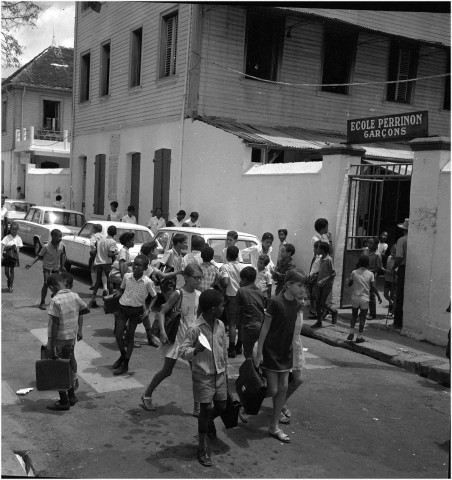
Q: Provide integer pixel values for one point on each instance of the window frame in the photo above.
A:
(277, 47)
(446, 94)
(4, 114)
(99, 184)
(393, 73)
(85, 77)
(136, 68)
(329, 32)
(164, 20)
(105, 73)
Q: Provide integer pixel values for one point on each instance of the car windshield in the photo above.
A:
(162, 239)
(63, 218)
(17, 206)
(141, 236)
(219, 244)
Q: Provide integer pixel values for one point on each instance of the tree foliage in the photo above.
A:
(16, 15)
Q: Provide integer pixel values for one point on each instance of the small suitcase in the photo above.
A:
(54, 375)
(111, 303)
(231, 414)
(251, 387)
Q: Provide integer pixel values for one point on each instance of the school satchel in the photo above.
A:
(10, 256)
(54, 374)
(231, 412)
(111, 302)
(251, 387)
(172, 321)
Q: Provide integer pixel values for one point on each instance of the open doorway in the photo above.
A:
(378, 199)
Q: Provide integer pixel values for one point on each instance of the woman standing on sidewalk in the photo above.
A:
(188, 308)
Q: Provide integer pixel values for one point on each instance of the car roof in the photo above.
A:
(203, 231)
(130, 226)
(55, 209)
(11, 200)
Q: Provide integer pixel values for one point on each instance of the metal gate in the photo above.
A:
(378, 198)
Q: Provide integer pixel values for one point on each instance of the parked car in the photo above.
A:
(35, 228)
(17, 209)
(214, 237)
(78, 244)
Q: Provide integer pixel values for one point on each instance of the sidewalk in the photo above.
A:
(385, 344)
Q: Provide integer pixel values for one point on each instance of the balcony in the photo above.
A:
(42, 141)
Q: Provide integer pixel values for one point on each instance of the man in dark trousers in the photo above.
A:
(400, 264)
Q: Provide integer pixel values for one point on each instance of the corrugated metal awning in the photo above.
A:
(294, 138)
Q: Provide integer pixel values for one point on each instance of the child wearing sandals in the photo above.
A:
(170, 351)
(275, 346)
(209, 367)
(362, 280)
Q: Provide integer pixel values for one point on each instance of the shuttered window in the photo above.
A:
(99, 184)
(112, 177)
(83, 164)
(105, 69)
(85, 72)
(402, 66)
(4, 110)
(135, 57)
(446, 102)
(168, 55)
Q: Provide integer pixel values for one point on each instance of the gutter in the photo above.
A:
(71, 157)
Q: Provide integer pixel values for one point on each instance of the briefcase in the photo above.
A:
(251, 387)
(111, 302)
(231, 413)
(54, 374)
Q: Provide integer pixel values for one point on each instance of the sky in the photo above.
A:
(56, 18)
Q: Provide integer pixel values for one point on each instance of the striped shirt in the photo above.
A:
(232, 270)
(263, 279)
(51, 255)
(106, 246)
(66, 305)
(206, 362)
(209, 271)
(136, 291)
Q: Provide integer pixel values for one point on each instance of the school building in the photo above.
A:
(260, 117)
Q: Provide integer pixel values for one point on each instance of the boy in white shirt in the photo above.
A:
(130, 217)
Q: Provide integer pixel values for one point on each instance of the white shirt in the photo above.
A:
(155, 224)
(9, 240)
(254, 253)
(59, 204)
(177, 223)
(127, 219)
(115, 216)
(323, 238)
(194, 224)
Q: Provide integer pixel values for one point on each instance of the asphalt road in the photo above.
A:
(354, 417)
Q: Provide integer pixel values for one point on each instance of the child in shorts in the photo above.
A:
(362, 280)
(264, 280)
(11, 243)
(209, 367)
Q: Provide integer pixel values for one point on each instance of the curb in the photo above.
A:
(428, 366)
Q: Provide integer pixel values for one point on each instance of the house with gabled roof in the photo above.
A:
(36, 125)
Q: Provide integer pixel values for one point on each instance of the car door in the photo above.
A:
(78, 246)
(25, 226)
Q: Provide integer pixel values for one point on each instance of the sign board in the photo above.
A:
(402, 126)
(24, 158)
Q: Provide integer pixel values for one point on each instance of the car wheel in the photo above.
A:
(67, 266)
(37, 245)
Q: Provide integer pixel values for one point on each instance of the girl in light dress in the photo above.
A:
(12, 241)
(170, 351)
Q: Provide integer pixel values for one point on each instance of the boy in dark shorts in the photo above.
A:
(209, 367)
(53, 256)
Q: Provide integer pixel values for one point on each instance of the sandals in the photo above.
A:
(147, 403)
(286, 412)
(279, 435)
(284, 419)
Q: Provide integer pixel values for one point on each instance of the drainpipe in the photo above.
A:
(187, 65)
(71, 157)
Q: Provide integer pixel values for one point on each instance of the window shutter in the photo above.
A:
(84, 162)
(112, 177)
(403, 74)
(171, 46)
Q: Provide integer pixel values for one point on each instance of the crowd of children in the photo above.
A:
(260, 325)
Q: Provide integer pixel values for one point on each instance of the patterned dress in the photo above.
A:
(299, 360)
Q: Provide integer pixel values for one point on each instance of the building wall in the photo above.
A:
(427, 281)
(157, 98)
(42, 185)
(226, 93)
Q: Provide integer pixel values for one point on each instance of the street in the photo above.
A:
(354, 417)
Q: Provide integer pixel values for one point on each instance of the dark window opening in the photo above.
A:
(446, 102)
(256, 155)
(4, 110)
(99, 184)
(105, 70)
(51, 115)
(85, 71)
(264, 44)
(169, 45)
(135, 58)
(338, 54)
(402, 66)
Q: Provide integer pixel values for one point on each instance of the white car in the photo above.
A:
(214, 237)
(39, 221)
(78, 245)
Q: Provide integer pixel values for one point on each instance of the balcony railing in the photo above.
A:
(29, 138)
